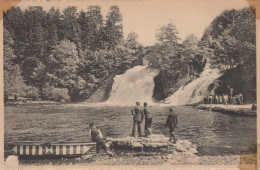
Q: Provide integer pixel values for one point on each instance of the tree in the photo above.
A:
(37, 45)
(131, 41)
(244, 28)
(114, 27)
(54, 25)
(189, 46)
(64, 74)
(226, 51)
(168, 34)
(69, 19)
(91, 25)
(13, 81)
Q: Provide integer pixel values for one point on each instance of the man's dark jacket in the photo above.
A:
(172, 120)
(138, 113)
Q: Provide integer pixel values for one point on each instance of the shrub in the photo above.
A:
(55, 94)
(30, 92)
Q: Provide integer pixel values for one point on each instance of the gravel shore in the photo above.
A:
(132, 159)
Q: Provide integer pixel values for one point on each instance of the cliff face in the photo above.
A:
(164, 88)
(102, 93)
(242, 80)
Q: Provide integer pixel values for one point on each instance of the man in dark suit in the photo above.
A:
(138, 119)
(171, 123)
(148, 121)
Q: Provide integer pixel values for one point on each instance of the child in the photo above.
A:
(96, 136)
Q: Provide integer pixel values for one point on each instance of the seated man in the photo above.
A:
(96, 136)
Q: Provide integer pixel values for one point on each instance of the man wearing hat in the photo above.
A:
(171, 123)
(138, 119)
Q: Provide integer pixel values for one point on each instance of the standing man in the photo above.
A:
(241, 100)
(171, 123)
(148, 121)
(231, 90)
(138, 119)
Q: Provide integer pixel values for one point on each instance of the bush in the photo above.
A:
(55, 94)
(30, 92)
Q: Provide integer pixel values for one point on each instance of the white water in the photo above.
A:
(136, 84)
(194, 91)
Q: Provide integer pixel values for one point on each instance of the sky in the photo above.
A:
(145, 17)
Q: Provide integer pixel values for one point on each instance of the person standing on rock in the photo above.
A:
(138, 119)
(171, 123)
(148, 121)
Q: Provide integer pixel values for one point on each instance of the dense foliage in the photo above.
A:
(66, 55)
(175, 60)
(234, 46)
(228, 43)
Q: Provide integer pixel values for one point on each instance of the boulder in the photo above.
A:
(153, 142)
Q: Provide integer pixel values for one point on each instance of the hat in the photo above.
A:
(91, 124)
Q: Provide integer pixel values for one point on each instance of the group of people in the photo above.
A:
(225, 98)
(139, 114)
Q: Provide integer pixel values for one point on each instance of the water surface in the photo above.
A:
(214, 133)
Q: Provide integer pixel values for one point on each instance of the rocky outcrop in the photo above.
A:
(102, 93)
(164, 88)
(155, 142)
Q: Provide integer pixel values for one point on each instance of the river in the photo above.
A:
(213, 133)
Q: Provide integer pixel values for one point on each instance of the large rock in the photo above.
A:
(153, 142)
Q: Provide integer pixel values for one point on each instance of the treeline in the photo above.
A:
(64, 56)
(229, 44)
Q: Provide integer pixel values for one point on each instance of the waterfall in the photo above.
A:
(136, 84)
(194, 91)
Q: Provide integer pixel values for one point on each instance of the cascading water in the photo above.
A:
(196, 90)
(136, 84)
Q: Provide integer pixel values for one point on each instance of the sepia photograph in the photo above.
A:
(129, 83)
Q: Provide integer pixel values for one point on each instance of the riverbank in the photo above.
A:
(239, 110)
(30, 102)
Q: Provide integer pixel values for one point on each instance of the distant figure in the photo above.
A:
(205, 100)
(216, 99)
(225, 98)
(171, 123)
(96, 136)
(148, 121)
(231, 90)
(138, 119)
(238, 100)
(241, 99)
(253, 108)
(234, 100)
(210, 99)
(220, 99)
